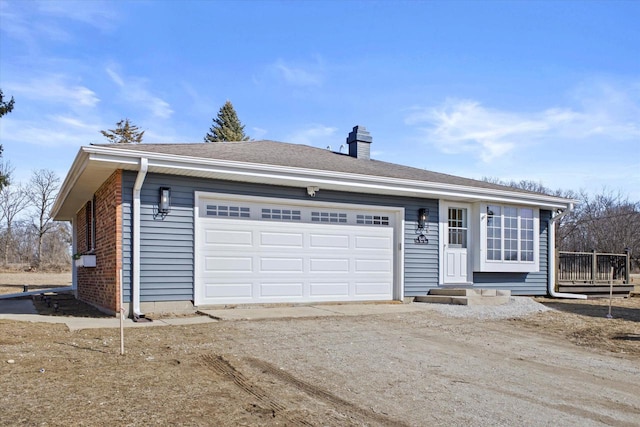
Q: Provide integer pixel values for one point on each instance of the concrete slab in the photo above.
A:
(323, 310)
(368, 309)
(17, 306)
(266, 313)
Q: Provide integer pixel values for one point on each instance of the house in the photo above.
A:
(167, 227)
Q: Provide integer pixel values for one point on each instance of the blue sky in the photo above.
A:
(543, 91)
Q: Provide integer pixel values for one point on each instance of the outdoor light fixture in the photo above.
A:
(422, 217)
(489, 211)
(164, 206)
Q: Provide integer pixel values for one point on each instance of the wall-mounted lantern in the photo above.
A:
(489, 211)
(164, 205)
(423, 215)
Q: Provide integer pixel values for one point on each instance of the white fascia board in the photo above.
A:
(77, 167)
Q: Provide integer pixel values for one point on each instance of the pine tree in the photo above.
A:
(226, 126)
(5, 107)
(125, 133)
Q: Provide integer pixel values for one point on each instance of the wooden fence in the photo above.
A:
(592, 268)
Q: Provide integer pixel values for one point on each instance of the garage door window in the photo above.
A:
(281, 214)
(372, 220)
(331, 217)
(228, 211)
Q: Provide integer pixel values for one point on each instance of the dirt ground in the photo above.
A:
(568, 366)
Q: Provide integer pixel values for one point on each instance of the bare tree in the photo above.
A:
(44, 186)
(13, 200)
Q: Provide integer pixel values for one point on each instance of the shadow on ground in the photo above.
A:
(598, 308)
(65, 304)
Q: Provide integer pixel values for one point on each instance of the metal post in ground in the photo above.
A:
(609, 316)
(122, 331)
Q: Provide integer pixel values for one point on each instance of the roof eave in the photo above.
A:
(291, 176)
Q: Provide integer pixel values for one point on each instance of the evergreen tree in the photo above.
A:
(125, 133)
(226, 126)
(5, 107)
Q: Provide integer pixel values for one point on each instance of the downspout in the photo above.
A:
(551, 257)
(142, 173)
(74, 250)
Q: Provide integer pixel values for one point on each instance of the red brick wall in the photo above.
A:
(100, 285)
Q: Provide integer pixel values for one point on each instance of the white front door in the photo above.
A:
(455, 257)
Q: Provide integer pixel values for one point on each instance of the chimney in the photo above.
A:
(359, 141)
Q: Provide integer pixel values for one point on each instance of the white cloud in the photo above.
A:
(55, 89)
(304, 74)
(314, 135)
(98, 14)
(51, 131)
(258, 133)
(466, 126)
(38, 22)
(133, 90)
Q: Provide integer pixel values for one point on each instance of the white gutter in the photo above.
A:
(142, 173)
(551, 257)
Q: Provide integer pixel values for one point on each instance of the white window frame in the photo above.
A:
(501, 265)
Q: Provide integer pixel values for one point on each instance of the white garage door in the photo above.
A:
(259, 253)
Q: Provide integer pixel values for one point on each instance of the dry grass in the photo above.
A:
(13, 281)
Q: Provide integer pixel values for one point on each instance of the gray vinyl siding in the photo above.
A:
(166, 244)
(522, 283)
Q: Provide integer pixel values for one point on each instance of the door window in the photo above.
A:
(457, 228)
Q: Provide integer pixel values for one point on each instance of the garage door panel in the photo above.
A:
(288, 265)
(253, 261)
(280, 289)
(331, 289)
(270, 239)
(373, 242)
(229, 290)
(331, 241)
(228, 237)
(228, 264)
(373, 266)
(372, 288)
(322, 265)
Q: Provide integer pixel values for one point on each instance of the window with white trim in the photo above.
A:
(509, 238)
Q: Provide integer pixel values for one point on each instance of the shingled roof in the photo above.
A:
(305, 157)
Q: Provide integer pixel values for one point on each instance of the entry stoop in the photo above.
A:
(466, 296)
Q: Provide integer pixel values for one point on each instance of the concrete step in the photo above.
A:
(497, 300)
(436, 299)
(465, 296)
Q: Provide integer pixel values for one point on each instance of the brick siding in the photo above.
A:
(100, 285)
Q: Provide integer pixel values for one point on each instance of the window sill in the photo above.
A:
(509, 267)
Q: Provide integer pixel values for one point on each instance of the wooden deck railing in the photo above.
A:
(592, 268)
